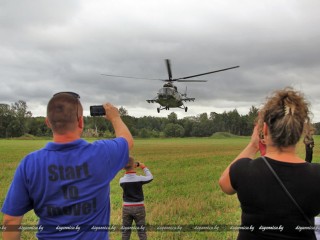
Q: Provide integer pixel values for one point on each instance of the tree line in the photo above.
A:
(17, 121)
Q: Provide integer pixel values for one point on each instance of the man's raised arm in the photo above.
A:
(120, 128)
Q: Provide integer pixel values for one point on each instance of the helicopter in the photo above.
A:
(168, 96)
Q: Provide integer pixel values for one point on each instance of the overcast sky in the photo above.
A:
(49, 46)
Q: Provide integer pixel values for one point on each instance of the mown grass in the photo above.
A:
(184, 191)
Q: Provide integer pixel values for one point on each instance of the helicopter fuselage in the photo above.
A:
(169, 97)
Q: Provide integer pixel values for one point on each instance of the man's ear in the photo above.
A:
(81, 122)
(47, 122)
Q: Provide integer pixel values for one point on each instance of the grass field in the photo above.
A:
(184, 191)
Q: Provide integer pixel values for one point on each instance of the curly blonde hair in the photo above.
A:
(286, 114)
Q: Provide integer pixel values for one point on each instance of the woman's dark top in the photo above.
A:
(267, 208)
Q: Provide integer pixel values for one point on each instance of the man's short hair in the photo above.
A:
(63, 112)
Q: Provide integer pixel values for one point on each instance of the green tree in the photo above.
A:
(202, 127)
(144, 133)
(14, 119)
(218, 121)
(249, 121)
(6, 116)
(233, 122)
(172, 117)
(37, 127)
(99, 125)
(317, 128)
(123, 111)
(173, 130)
(187, 124)
(131, 123)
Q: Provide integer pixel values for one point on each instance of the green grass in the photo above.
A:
(184, 191)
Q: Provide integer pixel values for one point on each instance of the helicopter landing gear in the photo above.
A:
(161, 108)
(186, 109)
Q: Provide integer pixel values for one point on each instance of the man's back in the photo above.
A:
(68, 185)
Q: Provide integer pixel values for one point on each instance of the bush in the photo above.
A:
(27, 137)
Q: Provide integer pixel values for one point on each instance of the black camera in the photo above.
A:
(97, 110)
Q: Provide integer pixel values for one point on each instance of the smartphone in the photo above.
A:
(97, 110)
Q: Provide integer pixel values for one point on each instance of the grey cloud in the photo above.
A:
(47, 47)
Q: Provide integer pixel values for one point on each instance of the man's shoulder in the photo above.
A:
(117, 141)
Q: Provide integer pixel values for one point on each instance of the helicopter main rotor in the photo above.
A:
(183, 79)
(170, 79)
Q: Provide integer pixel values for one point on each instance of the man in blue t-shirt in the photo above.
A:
(66, 183)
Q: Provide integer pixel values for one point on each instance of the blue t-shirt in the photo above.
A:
(67, 185)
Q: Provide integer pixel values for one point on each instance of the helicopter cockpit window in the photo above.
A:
(166, 91)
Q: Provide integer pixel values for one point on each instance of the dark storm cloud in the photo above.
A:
(50, 46)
